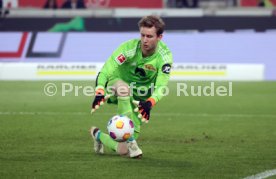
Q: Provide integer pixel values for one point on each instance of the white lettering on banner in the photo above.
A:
(89, 71)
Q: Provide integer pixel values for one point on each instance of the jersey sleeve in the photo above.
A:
(118, 58)
(163, 76)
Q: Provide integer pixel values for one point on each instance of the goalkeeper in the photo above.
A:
(137, 73)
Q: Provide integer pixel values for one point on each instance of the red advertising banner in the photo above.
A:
(253, 3)
(101, 3)
(135, 3)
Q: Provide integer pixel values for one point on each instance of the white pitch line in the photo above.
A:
(262, 175)
(154, 114)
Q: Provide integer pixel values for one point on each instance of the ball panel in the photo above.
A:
(109, 122)
(120, 124)
(126, 136)
(112, 135)
(131, 124)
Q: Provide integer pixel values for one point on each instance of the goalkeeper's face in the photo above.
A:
(149, 40)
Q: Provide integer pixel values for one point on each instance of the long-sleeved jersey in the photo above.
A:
(141, 73)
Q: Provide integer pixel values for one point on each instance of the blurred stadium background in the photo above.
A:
(211, 40)
(213, 35)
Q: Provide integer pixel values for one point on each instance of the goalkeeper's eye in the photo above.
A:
(148, 36)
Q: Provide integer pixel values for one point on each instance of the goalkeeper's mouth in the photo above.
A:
(146, 46)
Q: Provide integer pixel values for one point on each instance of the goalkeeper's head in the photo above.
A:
(151, 30)
(152, 21)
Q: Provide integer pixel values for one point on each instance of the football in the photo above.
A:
(120, 128)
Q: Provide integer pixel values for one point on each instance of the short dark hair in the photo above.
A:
(152, 21)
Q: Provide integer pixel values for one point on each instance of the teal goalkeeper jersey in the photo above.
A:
(149, 75)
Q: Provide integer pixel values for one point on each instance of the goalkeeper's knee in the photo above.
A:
(122, 148)
(121, 89)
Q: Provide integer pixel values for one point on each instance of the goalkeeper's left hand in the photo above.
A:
(143, 107)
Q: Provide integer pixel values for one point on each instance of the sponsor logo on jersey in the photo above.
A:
(149, 67)
(166, 68)
(120, 59)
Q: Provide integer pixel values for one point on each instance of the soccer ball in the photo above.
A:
(120, 128)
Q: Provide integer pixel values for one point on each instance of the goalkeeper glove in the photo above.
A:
(98, 100)
(144, 108)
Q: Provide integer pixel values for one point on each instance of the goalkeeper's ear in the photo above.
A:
(160, 37)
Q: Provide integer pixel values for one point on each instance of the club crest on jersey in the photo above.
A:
(149, 67)
(166, 68)
(120, 59)
(140, 72)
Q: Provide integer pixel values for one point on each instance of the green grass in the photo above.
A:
(187, 137)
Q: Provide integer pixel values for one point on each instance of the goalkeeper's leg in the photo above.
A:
(122, 148)
(101, 139)
(125, 107)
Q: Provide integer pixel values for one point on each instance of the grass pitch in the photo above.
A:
(187, 136)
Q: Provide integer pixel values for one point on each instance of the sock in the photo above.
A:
(124, 106)
(130, 139)
(107, 141)
(97, 133)
(135, 135)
